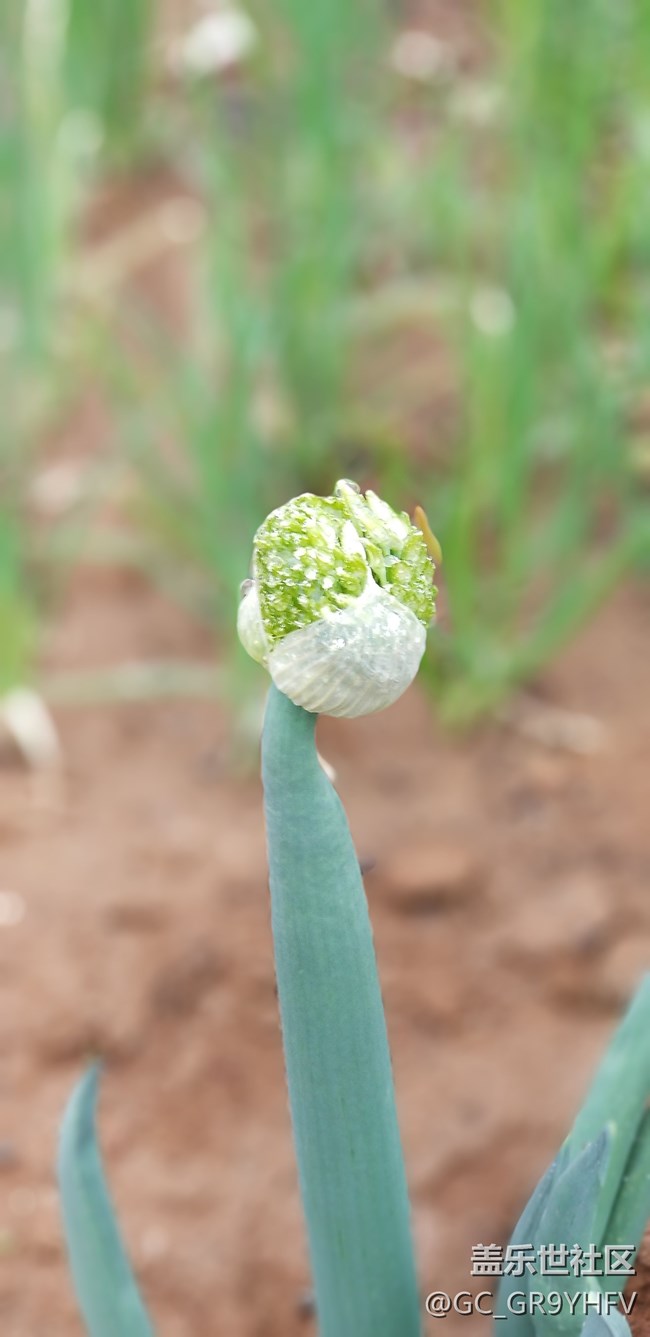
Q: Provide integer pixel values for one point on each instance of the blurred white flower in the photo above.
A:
(29, 723)
(420, 56)
(218, 41)
(58, 487)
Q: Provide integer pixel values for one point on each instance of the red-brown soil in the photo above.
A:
(640, 1284)
(510, 902)
(509, 896)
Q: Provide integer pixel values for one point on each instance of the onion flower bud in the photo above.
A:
(339, 602)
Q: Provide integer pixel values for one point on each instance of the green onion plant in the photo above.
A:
(44, 159)
(108, 65)
(337, 607)
(249, 409)
(513, 242)
(543, 510)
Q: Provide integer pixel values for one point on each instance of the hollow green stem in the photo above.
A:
(339, 1076)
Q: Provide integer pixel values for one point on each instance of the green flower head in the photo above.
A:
(326, 561)
(315, 555)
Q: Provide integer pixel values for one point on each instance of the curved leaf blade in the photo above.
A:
(610, 1325)
(617, 1099)
(106, 1289)
(525, 1231)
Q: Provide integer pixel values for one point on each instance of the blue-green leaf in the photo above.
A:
(617, 1099)
(598, 1190)
(525, 1232)
(338, 1065)
(631, 1210)
(106, 1289)
(570, 1211)
(568, 1218)
(610, 1325)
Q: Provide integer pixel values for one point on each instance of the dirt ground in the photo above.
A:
(509, 896)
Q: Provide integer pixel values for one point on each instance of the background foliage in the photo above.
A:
(424, 271)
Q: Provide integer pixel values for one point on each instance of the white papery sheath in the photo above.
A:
(353, 661)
